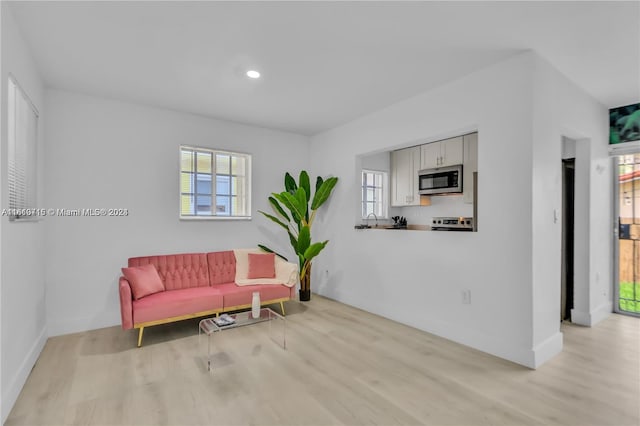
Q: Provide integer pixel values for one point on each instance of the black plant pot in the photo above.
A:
(305, 295)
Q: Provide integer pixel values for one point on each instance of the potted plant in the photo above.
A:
(295, 211)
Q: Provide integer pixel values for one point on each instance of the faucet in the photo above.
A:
(374, 215)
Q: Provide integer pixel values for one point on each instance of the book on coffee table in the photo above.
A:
(223, 320)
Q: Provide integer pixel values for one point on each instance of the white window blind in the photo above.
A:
(22, 152)
(214, 184)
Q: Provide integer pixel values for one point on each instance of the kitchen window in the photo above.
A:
(214, 184)
(375, 186)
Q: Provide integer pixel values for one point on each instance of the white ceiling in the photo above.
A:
(323, 63)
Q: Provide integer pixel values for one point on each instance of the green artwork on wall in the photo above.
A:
(624, 124)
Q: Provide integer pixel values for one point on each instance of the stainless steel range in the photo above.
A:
(452, 224)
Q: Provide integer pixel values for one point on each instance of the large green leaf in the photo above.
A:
(290, 183)
(296, 204)
(314, 249)
(277, 207)
(289, 202)
(268, 250)
(319, 181)
(305, 184)
(322, 194)
(293, 241)
(301, 197)
(275, 219)
(301, 260)
(304, 239)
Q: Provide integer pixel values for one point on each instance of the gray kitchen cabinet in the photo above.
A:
(469, 165)
(448, 152)
(405, 164)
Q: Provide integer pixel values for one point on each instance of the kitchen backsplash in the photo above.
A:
(440, 206)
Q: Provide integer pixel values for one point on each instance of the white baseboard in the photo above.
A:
(516, 352)
(601, 312)
(546, 350)
(580, 317)
(596, 315)
(11, 393)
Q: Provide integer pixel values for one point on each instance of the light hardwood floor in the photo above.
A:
(342, 366)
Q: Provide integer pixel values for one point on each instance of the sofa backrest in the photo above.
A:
(222, 267)
(179, 271)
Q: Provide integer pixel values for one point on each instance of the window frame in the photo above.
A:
(384, 192)
(214, 183)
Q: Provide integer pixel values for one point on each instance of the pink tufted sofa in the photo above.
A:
(195, 285)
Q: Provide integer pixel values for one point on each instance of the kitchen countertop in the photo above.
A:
(386, 227)
(392, 228)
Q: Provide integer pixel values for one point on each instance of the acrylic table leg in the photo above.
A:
(209, 352)
(284, 334)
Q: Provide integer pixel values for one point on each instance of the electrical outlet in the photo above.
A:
(466, 297)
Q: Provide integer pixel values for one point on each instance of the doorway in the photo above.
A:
(568, 209)
(627, 284)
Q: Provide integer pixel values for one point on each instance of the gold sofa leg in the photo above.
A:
(141, 330)
(282, 307)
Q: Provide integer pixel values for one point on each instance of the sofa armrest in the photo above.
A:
(286, 272)
(126, 306)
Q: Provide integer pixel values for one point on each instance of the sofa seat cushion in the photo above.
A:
(235, 295)
(175, 303)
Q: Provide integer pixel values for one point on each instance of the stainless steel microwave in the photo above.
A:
(443, 180)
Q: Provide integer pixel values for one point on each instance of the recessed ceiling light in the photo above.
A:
(253, 74)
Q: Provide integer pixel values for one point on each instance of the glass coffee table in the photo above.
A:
(277, 325)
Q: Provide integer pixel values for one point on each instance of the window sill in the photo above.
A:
(223, 218)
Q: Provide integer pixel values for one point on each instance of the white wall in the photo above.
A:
(416, 277)
(109, 154)
(22, 287)
(521, 108)
(564, 110)
(380, 161)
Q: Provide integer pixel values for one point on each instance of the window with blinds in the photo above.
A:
(22, 127)
(214, 184)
